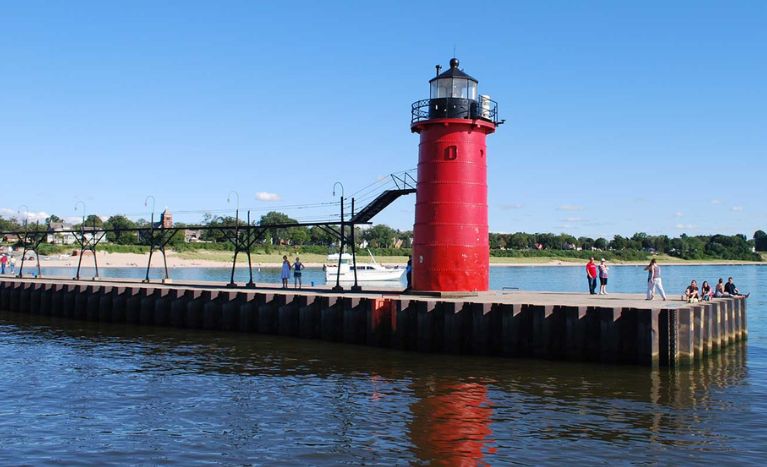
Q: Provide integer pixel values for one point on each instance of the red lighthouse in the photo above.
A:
(450, 238)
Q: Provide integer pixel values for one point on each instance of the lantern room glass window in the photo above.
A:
(454, 87)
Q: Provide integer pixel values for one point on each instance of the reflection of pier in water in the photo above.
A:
(457, 409)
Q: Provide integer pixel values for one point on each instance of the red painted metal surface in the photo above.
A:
(450, 237)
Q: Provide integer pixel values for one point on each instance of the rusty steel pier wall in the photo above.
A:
(642, 336)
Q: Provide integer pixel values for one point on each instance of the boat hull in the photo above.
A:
(365, 276)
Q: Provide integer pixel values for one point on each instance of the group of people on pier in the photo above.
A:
(297, 267)
(692, 293)
(7, 262)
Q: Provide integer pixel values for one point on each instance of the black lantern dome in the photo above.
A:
(453, 83)
(454, 94)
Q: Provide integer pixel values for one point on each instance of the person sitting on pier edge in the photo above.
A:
(285, 275)
(297, 267)
(603, 277)
(654, 280)
(730, 288)
(706, 292)
(691, 293)
(591, 275)
(719, 291)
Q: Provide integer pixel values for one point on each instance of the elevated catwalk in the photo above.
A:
(619, 328)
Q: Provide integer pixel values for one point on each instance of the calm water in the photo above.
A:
(86, 393)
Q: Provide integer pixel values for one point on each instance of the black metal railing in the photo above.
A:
(451, 107)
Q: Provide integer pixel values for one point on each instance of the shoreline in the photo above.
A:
(135, 260)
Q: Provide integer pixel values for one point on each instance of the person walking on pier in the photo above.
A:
(285, 275)
(654, 280)
(591, 275)
(603, 277)
(297, 267)
(3, 262)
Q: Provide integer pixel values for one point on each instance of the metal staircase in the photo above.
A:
(405, 185)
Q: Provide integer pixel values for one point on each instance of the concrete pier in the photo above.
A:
(619, 328)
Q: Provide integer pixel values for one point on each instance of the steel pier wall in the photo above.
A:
(665, 337)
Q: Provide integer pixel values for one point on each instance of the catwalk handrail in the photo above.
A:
(242, 235)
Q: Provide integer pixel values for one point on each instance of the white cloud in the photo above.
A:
(686, 226)
(31, 216)
(574, 219)
(510, 206)
(737, 208)
(715, 201)
(266, 196)
(679, 214)
(570, 207)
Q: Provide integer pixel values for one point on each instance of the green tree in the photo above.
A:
(7, 225)
(319, 236)
(298, 235)
(380, 236)
(89, 222)
(497, 241)
(760, 240)
(120, 222)
(53, 218)
(618, 243)
(277, 218)
(215, 235)
(586, 243)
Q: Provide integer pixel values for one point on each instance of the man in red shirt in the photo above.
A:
(591, 275)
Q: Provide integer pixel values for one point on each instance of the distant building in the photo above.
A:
(58, 236)
(11, 238)
(166, 220)
(192, 236)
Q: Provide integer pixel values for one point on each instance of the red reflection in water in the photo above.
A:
(451, 426)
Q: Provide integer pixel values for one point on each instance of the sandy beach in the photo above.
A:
(201, 259)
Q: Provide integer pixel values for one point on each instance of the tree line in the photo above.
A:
(735, 247)
(381, 236)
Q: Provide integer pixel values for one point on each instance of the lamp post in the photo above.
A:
(26, 236)
(151, 215)
(229, 198)
(341, 248)
(151, 236)
(236, 235)
(26, 213)
(82, 239)
(342, 188)
(83, 210)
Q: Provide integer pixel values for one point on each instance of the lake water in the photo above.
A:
(92, 393)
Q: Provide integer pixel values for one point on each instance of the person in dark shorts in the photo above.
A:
(298, 266)
(602, 277)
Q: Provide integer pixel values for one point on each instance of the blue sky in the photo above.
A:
(620, 117)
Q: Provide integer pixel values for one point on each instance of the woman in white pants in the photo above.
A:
(654, 280)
